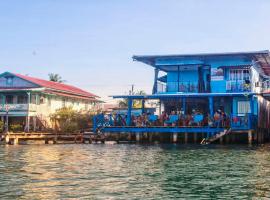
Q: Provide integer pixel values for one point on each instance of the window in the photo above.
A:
(239, 74)
(22, 99)
(9, 99)
(243, 107)
(9, 80)
(33, 99)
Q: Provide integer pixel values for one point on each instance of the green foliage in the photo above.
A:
(16, 127)
(136, 103)
(70, 121)
(2, 124)
(55, 78)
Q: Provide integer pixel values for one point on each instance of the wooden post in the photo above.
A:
(195, 135)
(174, 137)
(150, 136)
(16, 141)
(138, 137)
(186, 138)
(250, 137)
(233, 138)
(227, 139)
(221, 140)
(129, 137)
(27, 128)
(34, 123)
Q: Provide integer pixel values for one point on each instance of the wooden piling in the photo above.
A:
(195, 137)
(150, 137)
(138, 137)
(186, 138)
(174, 137)
(250, 137)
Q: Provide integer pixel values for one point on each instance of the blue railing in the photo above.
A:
(187, 86)
(234, 121)
(243, 122)
(237, 86)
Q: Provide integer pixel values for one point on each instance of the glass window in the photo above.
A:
(239, 74)
(33, 99)
(243, 107)
(22, 99)
(9, 99)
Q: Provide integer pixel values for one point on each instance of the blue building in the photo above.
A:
(234, 86)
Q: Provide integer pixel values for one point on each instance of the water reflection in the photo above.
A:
(134, 172)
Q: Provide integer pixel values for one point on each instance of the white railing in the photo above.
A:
(13, 107)
(266, 85)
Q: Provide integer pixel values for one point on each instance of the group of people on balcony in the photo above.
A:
(196, 118)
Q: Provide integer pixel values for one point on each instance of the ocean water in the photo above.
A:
(129, 171)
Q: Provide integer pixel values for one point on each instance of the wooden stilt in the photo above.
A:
(16, 141)
(195, 137)
(174, 137)
(221, 140)
(250, 137)
(150, 137)
(186, 138)
(138, 137)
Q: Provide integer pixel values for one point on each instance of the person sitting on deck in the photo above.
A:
(198, 118)
(163, 118)
(153, 119)
(210, 120)
(173, 118)
(217, 118)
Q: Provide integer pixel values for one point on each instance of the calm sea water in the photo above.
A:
(134, 172)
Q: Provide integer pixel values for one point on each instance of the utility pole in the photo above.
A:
(131, 92)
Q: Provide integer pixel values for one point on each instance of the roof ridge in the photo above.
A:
(56, 85)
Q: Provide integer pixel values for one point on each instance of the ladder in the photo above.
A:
(216, 136)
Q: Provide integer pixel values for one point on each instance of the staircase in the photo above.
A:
(216, 136)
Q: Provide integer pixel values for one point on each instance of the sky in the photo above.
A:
(90, 43)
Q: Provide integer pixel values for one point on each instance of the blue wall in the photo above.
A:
(217, 86)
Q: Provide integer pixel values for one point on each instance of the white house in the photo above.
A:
(30, 101)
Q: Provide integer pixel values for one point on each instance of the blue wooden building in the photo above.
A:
(223, 93)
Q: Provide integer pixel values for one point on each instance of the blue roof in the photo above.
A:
(180, 95)
(193, 60)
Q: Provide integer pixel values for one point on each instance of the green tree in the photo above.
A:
(136, 103)
(55, 78)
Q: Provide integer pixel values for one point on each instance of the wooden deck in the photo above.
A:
(86, 137)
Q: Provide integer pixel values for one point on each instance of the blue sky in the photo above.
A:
(90, 42)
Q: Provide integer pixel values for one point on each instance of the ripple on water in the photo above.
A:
(134, 172)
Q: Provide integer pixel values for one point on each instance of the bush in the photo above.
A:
(70, 120)
(16, 127)
(70, 127)
(2, 125)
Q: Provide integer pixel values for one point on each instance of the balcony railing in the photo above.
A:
(234, 121)
(187, 86)
(266, 86)
(237, 86)
(13, 107)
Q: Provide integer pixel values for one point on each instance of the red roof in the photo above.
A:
(57, 86)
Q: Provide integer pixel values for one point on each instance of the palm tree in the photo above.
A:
(55, 78)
